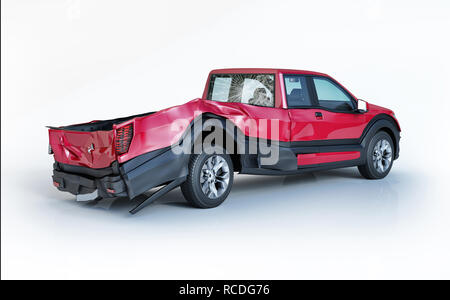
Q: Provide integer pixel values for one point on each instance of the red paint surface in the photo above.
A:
(320, 158)
(305, 126)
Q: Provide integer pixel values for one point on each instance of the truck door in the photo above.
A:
(335, 117)
(322, 121)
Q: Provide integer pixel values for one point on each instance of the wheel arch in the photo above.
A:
(230, 133)
(383, 122)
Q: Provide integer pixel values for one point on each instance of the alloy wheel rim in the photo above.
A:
(382, 155)
(214, 176)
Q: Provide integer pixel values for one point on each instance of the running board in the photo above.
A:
(158, 194)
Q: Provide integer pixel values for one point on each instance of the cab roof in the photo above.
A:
(264, 70)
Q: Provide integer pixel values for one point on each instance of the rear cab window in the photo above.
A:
(253, 89)
(297, 93)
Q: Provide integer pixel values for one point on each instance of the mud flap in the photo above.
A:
(287, 160)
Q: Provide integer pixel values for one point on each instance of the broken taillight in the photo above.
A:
(123, 138)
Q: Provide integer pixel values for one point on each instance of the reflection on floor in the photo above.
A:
(333, 196)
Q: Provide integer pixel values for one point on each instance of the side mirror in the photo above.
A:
(362, 106)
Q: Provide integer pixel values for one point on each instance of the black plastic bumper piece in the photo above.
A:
(108, 186)
(153, 169)
(72, 183)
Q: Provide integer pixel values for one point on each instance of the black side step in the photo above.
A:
(158, 194)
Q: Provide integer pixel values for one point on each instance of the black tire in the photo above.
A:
(369, 170)
(192, 187)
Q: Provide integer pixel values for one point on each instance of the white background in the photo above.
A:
(72, 61)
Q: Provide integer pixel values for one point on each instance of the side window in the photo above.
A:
(297, 94)
(331, 96)
(254, 89)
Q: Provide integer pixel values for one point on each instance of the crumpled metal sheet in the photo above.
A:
(163, 129)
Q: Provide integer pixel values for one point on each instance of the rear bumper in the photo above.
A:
(80, 184)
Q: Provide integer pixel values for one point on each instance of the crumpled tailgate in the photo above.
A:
(89, 149)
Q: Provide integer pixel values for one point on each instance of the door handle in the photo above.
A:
(319, 115)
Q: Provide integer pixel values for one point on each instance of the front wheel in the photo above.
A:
(209, 181)
(379, 157)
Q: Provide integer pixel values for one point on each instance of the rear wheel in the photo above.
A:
(209, 181)
(379, 157)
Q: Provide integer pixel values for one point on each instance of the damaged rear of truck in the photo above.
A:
(122, 157)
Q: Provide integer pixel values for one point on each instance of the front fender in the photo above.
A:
(382, 122)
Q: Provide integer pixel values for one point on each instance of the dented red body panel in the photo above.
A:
(74, 148)
(164, 128)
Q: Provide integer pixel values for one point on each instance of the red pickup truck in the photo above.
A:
(251, 121)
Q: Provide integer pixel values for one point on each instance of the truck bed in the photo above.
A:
(104, 125)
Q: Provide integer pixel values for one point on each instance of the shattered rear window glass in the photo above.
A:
(254, 89)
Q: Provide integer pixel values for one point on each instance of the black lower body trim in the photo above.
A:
(90, 172)
(305, 169)
(287, 155)
(320, 143)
